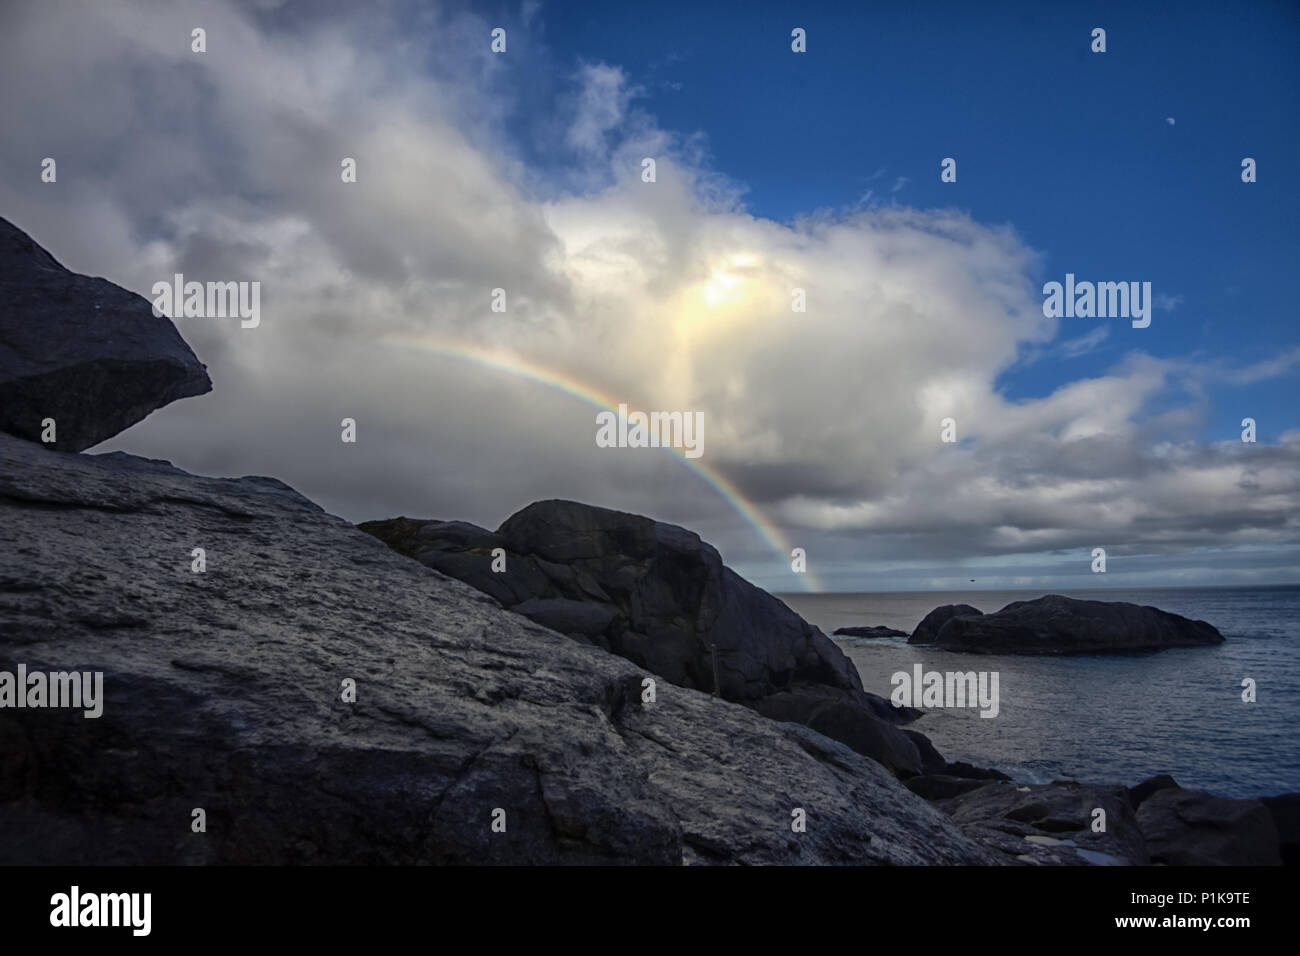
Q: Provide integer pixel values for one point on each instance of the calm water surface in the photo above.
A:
(1109, 719)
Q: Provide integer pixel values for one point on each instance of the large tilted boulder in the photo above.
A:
(676, 602)
(84, 352)
(661, 597)
(1061, 625)
(222, 690)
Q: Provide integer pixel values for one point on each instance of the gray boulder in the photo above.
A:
(1061, 625)
(222, 691)
(82, 351)
(661, 597)
(681, 609)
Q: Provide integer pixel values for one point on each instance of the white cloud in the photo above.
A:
(1280, 364)
(602, 105)
(1073, 348)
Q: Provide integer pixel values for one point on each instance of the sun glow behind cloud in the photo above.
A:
(724, 289)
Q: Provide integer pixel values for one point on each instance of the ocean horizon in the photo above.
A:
(1111, 718)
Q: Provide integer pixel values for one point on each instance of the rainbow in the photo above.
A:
(552, 378)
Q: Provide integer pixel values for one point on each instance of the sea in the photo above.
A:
(1108, 719)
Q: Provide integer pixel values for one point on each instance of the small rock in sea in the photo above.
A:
(876, 631)
(1055, 624)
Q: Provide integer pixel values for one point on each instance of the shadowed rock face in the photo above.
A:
(83, 351)
(222, 691)
(930, 625)
(676, 601)
(1060, 625)
(661, 597)
(1188, 828)
(1285, 810)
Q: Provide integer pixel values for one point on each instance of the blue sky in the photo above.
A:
(1071, 148)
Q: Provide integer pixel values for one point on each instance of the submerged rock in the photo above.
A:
(222, 691)
(1061, 625)
(84, 352)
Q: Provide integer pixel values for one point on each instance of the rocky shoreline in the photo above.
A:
(628, 584)
(598, 683)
